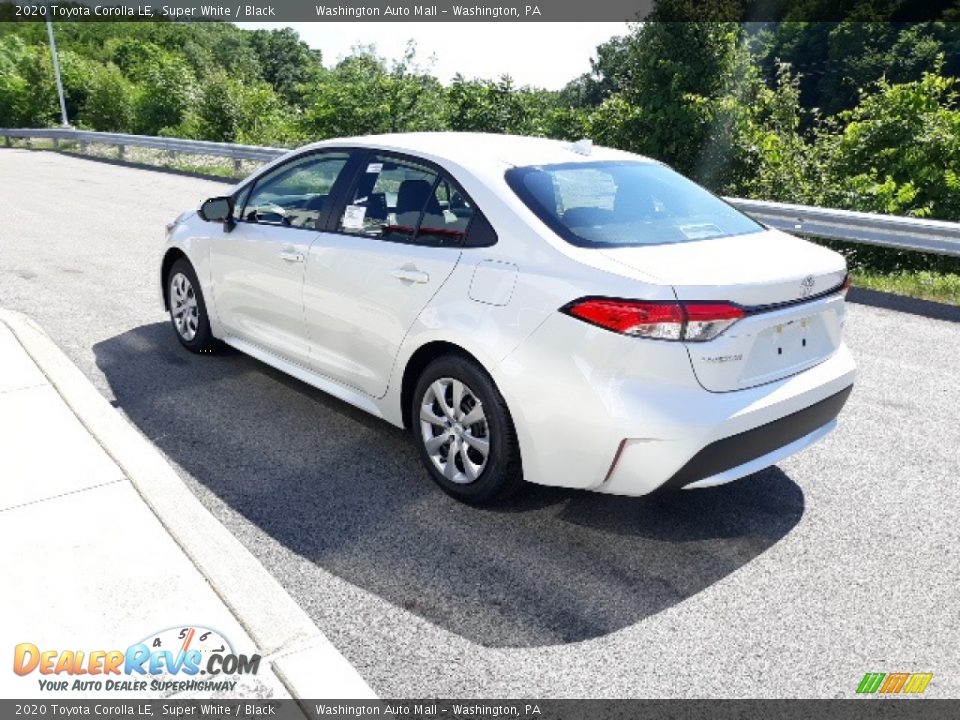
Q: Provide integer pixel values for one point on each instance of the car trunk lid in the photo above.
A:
(787, 287)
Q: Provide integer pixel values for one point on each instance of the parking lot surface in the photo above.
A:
(791, 583)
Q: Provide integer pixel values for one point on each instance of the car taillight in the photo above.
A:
(643, 319)
(690, 321)
(707, 320)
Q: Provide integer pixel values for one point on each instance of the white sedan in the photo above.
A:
(530, 309)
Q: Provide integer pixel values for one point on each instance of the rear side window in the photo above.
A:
(401, 200)
(613, 204)
(388, 199)
(446, 217)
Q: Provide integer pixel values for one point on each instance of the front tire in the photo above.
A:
(188, 311)
(464, 432)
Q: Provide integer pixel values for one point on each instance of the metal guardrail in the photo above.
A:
(894, 231)
(167, 144)
(933, 236)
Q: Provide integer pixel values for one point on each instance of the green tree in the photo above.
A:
(286, 61)
(834, 61)
(219, 108)
(606, 76)
(110, 101)
(77, 73)
(899, 150)
(134, 57)
(687, 95)
(789, 166)
(228, 110)
(28, 95)
(494, 106)
(363, 95)
(165, 94)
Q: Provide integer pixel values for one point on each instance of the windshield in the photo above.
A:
(616, 204)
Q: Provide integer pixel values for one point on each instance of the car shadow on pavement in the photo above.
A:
(347, 492)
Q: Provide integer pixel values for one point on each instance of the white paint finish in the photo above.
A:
(493, 282)
(360, 297)
(769, 346)
(257, 286)
(575, 391)
(756, 269)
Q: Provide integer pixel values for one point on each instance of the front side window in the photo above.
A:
(616, 204)
(296, 194)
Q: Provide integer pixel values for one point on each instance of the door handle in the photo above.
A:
(291, 256)
(411, 275)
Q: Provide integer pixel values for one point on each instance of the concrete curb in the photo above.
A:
(305, 661)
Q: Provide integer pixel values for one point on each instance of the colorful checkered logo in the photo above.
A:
(893, 683)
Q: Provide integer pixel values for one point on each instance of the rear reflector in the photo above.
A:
(691, 321)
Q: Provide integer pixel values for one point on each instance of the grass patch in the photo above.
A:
(923, 284)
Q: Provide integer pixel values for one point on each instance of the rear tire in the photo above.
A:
(188, 311)
(464, 432)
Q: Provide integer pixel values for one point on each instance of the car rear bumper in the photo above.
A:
(749, 430)
(624, 416)
(738, 455)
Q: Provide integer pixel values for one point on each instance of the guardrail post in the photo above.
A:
(27, 142)
(56, 143)
(236, 165)
(6, 141)
(83, 147)
(172, 156)
(121, 152)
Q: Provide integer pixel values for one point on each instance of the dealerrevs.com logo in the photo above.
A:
(192, 658)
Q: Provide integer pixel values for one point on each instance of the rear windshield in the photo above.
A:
(615, 204)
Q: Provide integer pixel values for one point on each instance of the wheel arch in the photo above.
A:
(418, 362)
(169, 258)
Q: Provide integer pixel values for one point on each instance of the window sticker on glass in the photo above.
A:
(700, 231)
(353, 216)
(375, 168)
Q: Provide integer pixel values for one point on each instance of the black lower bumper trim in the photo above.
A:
(729, 452)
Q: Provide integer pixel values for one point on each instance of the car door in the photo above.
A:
(397, 239)
(257, 268)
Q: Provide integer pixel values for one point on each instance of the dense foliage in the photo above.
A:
(860, 115)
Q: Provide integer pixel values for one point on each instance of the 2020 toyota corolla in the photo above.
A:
(530, 309)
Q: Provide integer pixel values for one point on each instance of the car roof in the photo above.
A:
(476, 150)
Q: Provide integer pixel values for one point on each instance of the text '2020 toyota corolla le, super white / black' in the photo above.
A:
(531, 309)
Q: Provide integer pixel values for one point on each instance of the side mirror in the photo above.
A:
(218, 209)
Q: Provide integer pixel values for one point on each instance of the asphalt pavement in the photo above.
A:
(791, 583)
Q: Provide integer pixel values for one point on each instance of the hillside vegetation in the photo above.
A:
(853, 115)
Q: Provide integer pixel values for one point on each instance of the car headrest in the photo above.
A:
(414, 194)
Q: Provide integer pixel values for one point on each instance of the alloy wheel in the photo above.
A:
(455, 431)
(183, 306)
